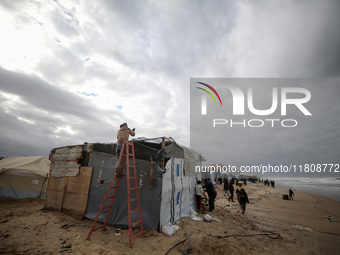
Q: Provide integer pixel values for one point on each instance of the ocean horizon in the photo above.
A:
(328, 187)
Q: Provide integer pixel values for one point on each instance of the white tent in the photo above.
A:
(23, 177)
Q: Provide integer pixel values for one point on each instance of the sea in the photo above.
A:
(328, 187)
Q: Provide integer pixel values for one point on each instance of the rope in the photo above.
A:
(187, 237)
(269, 234)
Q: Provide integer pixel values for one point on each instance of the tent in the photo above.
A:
(23, 177)
(165, 171)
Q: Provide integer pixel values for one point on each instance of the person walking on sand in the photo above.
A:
(199, 193)
(243, 199)
(291, 194)
(225, 187)
(238, 189)
(231, 191)
(122, 136)
(211, 193)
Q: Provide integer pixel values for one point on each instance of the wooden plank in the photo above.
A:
(74, 200)
(77, 193)
(54, 194)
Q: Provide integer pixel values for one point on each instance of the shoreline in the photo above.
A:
(301, 225)
(328, 187)
(279, 186)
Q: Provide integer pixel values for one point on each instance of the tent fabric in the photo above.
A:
(103, 171)
(18, 184)
(144, 149)
(35, 165)
(178, 192)
(23, 177)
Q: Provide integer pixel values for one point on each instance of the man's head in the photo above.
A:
(123, 125)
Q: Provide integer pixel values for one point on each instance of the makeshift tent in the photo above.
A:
(23, 177)
(166, 176)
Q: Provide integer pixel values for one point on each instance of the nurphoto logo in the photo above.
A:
(295, 96)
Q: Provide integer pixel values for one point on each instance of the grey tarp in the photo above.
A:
(103, 171)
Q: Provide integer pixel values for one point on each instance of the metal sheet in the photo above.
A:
(65, 161)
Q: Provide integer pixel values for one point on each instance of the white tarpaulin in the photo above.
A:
(36, 165)
(23, 177)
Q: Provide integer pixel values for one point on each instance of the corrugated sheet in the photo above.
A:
(64, 161)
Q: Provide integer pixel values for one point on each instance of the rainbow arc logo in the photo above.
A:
(204, 99)
(212, 89)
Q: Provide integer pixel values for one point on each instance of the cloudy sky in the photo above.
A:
(285, 138)
(72, 71)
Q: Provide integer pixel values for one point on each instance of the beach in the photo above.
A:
(329, 187)
(270, 225)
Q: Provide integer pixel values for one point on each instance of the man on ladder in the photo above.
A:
(126, 158)
(123, 135)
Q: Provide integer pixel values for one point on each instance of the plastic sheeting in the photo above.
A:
(17, 184)
(178, 192)
(22, 177)
(35, 165)
(150, 195)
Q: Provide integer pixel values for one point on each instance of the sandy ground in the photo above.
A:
(301, 225)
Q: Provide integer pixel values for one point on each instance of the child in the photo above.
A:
(243, 199)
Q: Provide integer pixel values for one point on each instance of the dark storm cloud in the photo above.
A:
(42, 95)
(41, 115)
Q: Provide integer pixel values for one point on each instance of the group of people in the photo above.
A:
(269, 183)
(210, 189)
(242, 196)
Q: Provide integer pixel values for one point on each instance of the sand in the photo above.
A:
(271, 225)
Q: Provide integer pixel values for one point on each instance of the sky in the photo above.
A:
(298, 137)
(73, 71)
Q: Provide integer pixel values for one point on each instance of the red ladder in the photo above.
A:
(127, 152)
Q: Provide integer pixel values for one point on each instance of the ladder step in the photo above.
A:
(140, 233)
(126, 160)
(102, 227)
(135, 223)
(134, 211)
